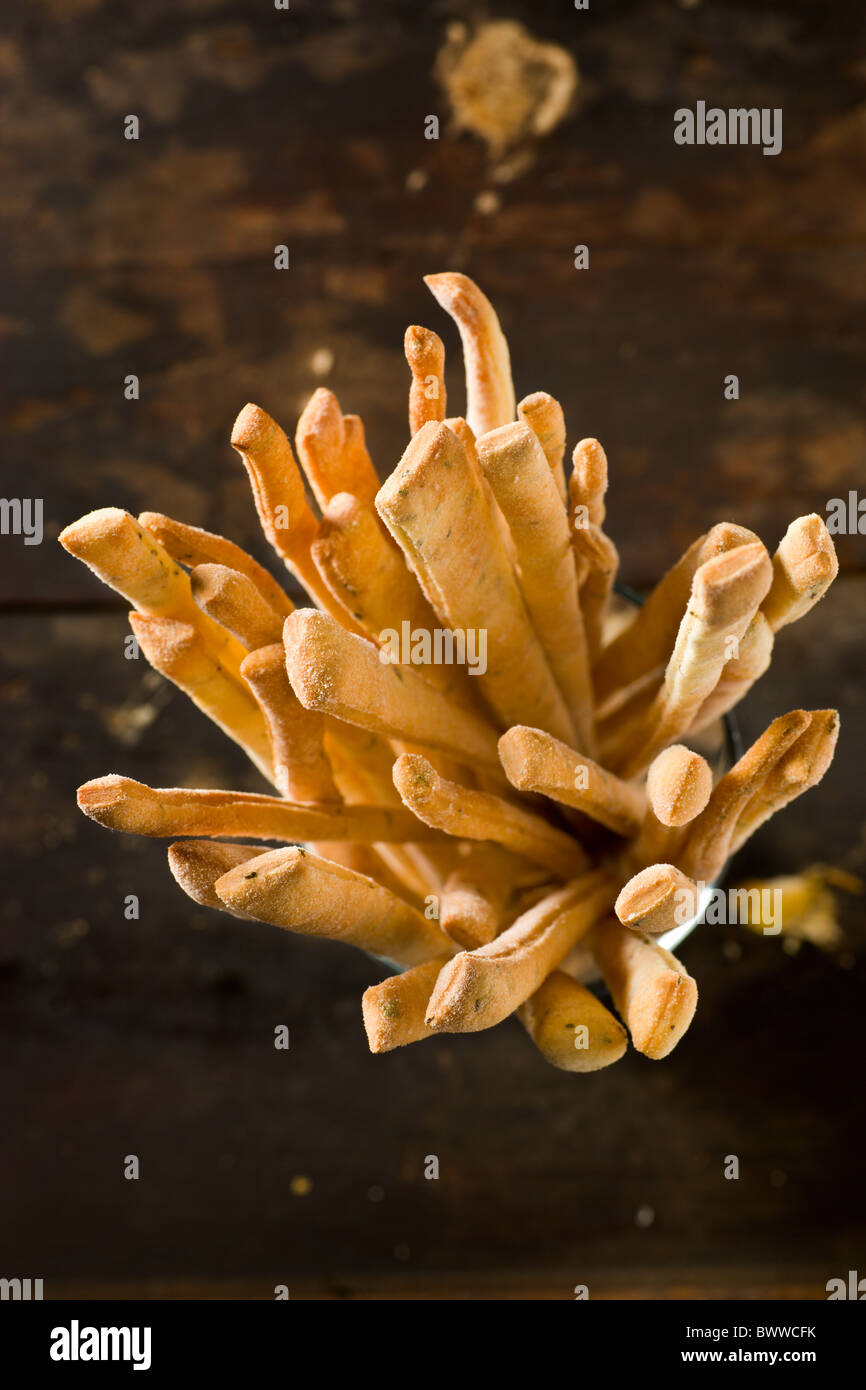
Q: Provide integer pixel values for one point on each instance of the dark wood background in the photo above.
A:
(155, 1037)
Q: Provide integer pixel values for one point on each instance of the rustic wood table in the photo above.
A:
(155, 257)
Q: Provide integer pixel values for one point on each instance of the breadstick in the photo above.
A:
(679, 785)
(489, 388)
(434, 506)
(644, 646)
(233, 601)
(119, 803)
(425, 355)
(332, 671)
(535, 762)
(480, 988)
(365, 571)
(599, 563)
(654, 995)
(394, 1009)
(571, 1027)
(707, 845)
(301, 768)
(656, 900)
(725, 595)
(543, 414)
(738, 674)
(514, 464)
(804, 567)
(197, 864)
(801, 767)
(587, 484)
(481, 816)
(180, 653)
(457, 425)
(192, 546)
(481, 893)
(125, 556)
(332, 452)
(297, 890)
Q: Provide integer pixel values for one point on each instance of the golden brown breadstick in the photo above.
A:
(726, 592)
(587, 484)
(297, 890)
(481, 816)
(435, 508)
(119, 803)
(802, 766)
(333, 671)
(571, 1027)
(804, 567)
(124, 555)
(679, 785)
(366, 572)
(708, 841)
(535, 762)
(192, 546)
(197, 864)
(357, 468)
(301, 768)
(644, 646)
(599, 564)
(514, 464)
(489, 388)
(656, 900)
(738, 674)
(654, 995)
(425, 355)
(394, 1009)
(482, 893)
(180, 653)
(543, 414)
(233, 601)
(319, 440)
(477, 989)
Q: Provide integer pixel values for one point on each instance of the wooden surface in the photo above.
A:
(155, 1037)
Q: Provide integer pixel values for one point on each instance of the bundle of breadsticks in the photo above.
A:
(476, 824)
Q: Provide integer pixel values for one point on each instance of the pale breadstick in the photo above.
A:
(435, 507)
(514, 464)
(192, 546)
(801, 767)
(233, 601)
(644, 646)
(587, 484)
(478, 989)
(571, 1027)
(332, 671)
(297, 890)
(197, 864)
(707, 845)
(478, 815)
(332, 452)
(804, 567)
(366, 572)
(301, 768)
(119, 803)
(654, 995)
(599, 559)
(725, 595)
(679, 785)
(535, 762)
(489, 388)
(357, 470)
(394, 1009)
(181, 654)
(543, 414)
(656, 900)
(425, 355)
(124, 555)
(739, 673)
